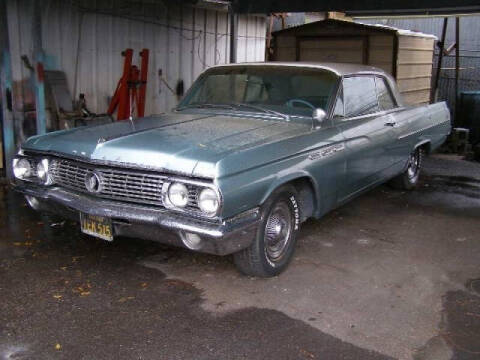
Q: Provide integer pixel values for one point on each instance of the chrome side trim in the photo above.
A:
(326, 151)
(421, 130)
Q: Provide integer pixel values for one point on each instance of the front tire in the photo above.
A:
(409, 178)
(274, 244)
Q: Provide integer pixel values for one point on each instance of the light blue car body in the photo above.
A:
(249, 154)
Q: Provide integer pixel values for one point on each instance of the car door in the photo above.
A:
(399, 121)
(367, 134)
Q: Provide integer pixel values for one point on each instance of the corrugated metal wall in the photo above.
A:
(85, 40)
(469, 51)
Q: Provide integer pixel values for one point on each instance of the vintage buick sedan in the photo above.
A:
(251, 152)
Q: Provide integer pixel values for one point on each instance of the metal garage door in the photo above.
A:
(336, 49)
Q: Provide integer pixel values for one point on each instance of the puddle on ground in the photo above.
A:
(461, 324)
(474, 286)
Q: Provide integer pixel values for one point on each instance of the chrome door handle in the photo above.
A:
(391, 123)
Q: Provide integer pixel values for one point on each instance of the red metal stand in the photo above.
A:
(132, 88)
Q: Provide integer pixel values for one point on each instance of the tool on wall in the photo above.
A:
(179, 88)
(132, 88)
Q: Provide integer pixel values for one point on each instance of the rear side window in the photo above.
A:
(360, 96)
(385, 98)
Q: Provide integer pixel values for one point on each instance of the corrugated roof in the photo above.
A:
(404, 31)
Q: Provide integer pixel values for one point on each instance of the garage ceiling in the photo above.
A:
(360, 7)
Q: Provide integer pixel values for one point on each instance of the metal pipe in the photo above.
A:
(457, 68)
(77, 56)
(233, 35)
(41, 116)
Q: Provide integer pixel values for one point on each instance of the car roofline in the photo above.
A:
(340, 69)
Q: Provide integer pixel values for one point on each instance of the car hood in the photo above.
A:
(189, 144)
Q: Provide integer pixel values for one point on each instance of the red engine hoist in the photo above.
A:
(132, 88)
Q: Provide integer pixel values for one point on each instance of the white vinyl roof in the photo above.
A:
(338, 68)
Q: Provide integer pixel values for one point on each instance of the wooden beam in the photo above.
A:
(440, 60)
(360, 7)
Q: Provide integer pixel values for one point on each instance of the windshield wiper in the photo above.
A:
(206, 106)
(233, 106)
(256, 107)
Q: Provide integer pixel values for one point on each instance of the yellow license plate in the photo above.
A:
(98, 226)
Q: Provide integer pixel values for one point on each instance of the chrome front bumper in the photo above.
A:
(138, 221)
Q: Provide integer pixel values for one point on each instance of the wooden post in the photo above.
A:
(457, 69)
(6, 95)
(433, 96)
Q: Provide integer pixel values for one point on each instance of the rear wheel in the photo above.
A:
(409, 178)
(274, 244)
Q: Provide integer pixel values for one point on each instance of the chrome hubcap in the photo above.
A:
(277, 231)
(414, 165)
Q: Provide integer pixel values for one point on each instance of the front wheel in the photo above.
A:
(274, 244)
(409, 178)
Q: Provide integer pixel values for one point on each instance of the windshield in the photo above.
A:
(274, 89)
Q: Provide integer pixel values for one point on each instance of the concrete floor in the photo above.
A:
(390, 275)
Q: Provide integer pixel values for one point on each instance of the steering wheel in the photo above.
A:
(290, 103)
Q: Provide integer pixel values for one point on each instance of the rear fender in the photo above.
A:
(423, 143)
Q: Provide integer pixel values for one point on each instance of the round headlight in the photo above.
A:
(208, 201)
(22, 168)
(42, 172)
(178, 195)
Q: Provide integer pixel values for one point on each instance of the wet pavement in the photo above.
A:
(390, 275)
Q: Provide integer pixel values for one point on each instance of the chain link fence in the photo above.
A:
(469, 76)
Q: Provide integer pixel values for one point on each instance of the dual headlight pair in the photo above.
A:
(208, 199)
(26, 169)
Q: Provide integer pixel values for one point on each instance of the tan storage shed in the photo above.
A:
(405, 54)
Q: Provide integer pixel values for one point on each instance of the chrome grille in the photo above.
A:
(116, 183)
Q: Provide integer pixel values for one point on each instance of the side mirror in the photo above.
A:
(318, 116)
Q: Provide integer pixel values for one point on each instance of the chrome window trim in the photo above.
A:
(375, 114)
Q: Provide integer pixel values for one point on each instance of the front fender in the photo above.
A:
(282, 180)
(250, 189)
